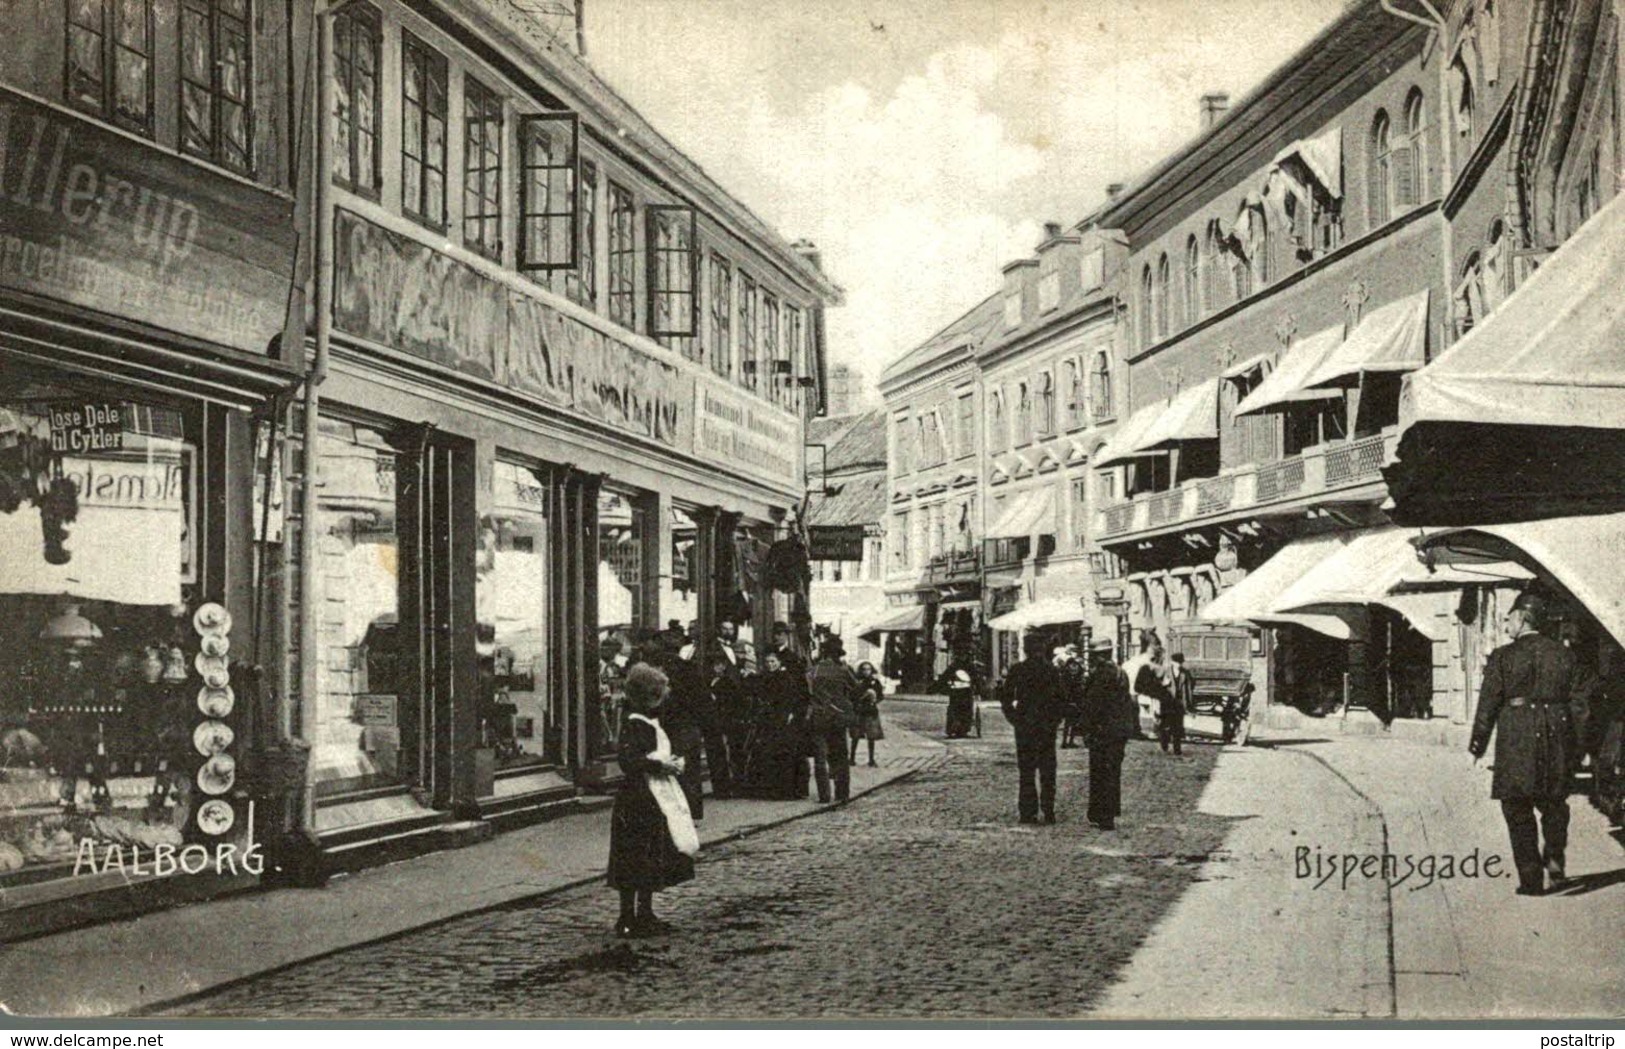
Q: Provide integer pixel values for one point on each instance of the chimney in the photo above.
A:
(1114, 190)
(809, 251)
(1052, 230)
(1214, 106)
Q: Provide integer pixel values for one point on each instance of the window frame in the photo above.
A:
(353, 16)
(107, 48)
(1045, 422)
(656, 258)
(1380, 195)
(214, 18)
(482, 181)
(768, 317)
(436, 72)
(748, 341)
(621, 256)
(1101, 393)
(1160, 312)
(1191, 278)
(720, 350)
(532, 125)
(998, 430)
(581, 281)
(1148, 329)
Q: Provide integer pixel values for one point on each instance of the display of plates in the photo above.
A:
(215, 816)
(213, 670)
(216, 702)
(215, 644)
(211, 737)
(217, 774)
(212, 618)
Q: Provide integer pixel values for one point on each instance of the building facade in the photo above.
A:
(847, 594)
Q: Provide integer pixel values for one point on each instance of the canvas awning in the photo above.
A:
(1580, 554)
(1253, 597)
(1322, 157)
(1027, 513)
(1193, 415)
(1392, 338)
(910, 618)
(1242, 367)
(1119, 447)
(1364, 571)
(1285, 385)
(1046, 611)
(1550, 355)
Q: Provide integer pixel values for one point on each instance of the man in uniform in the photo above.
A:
(1033, 697)
(1110, 719)
(1534, 699)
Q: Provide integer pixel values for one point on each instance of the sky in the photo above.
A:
(923, 143)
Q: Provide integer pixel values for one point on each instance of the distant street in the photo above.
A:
(925, 899)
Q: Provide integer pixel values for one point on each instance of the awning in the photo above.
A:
(1285, 385)
(1193, 415)
(1581, 554)
(1392, 338)
(1240, 368)
(910, 618)
(1046, 611)
(1253, 597)
(1550, 355)
(1027, 513)
(1322, 156)
(1120, 446)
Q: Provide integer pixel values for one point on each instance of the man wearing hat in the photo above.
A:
(1033, 698)
(1534, 699)
(1110, 719)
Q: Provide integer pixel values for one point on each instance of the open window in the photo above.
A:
(549, 211)
(673, 271)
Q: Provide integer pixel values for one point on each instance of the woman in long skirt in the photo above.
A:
(868, 726)
(643, 855)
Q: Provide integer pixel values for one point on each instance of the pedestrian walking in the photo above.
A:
(652, 841)
(867, 711)
(1534, 700)
(963, 686)
(1153, 681)
(833, 690)
(1181, 699)
(1033, 697)
(1075, 674)
(1110, 719)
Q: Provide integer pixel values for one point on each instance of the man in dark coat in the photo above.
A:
(1033, 698)
(1076, 675)
(963, 685)
(1534, 699)
(1111, 718)
(1174, 703)
(832, 693)
(684, 715)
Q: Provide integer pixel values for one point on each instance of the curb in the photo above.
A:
(153, 1008)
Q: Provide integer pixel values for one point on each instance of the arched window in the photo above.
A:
(1461, 82)
(1260, 259)
(998, 435)
(1469, 305)
(1214, 263)
(1102, 381)
(1377, 185)
(1163, 281)
(1410, 170)
(1046, 404)
(1148, 333)
(1193, 280)
(1241, 273)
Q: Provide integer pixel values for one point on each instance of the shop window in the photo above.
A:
(520, 723)
(362, 676)
(101, 734)
(679, 576)
(722, 305)
(423, 132)
(622, 621)
(482, 169)
(748, 340)
(581, 283)
(216, 71)
(109, 60)
(548, 211)
(356, 116)
(623, 258)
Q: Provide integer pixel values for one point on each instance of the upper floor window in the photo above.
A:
(1012, 310)
(1148, 326)
(1259, 249)
(623, 258)
(1102, 378)
(1461, 85)
(1049, 286)
(1076, 411)
(998, 434)
(1241, 274)
(721, 333)
(110, 60)
(356, 39)
(1024, 414)
(1162, 292)
(673, 271)
(965, 435)
(1411, 168)
(1093, 273)
(547, 191)
(899, 540)
(1380, 184)
(1046, 404)
(423, 132)
(482, 169)
(1192, 280)
(216, 71)
(794, 346)
(770, 334)
(748, 339)
(581, 283)
(1214, 267)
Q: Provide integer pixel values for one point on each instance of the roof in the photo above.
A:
(829, 429)
(857, 500)
(862, 444)
(969, 330)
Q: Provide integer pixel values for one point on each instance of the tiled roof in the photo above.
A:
(969, 330)
(829, 430)
(859, 499)
(862, 444)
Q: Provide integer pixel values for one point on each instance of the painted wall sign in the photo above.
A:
(92, 218)
(835, 542)
(735, 428)
(87, 426)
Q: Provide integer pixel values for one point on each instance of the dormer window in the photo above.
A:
(1093, 273)
(1012, 310)
(1049, 285)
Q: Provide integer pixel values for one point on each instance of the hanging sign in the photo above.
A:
(835, 542)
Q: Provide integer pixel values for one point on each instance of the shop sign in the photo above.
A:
(737, 431)
(95, 219)
(835, 542)
(375, 709)
(87, 427)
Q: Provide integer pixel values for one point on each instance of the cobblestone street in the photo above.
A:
(923, 900)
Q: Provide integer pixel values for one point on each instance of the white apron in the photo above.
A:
(668, 794)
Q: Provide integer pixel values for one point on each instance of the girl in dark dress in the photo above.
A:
(643, 856)
(783, 705)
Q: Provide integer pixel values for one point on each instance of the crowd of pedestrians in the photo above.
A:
(679, 712)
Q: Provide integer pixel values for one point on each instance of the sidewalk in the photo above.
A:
(118, 968)
(1256, 938)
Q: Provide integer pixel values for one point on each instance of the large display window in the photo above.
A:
(623, 624)
(521, 724)
(679, 577)
(107, 735)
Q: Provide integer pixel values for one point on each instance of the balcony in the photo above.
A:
(952, 567)
(1323, 470)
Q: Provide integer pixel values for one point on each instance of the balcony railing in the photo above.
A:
(1322, 469)
(952, 566)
